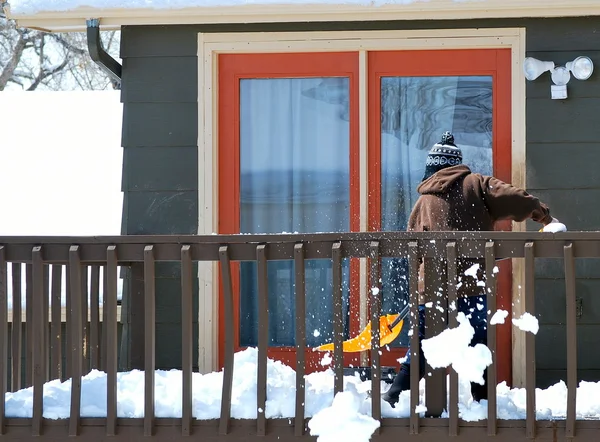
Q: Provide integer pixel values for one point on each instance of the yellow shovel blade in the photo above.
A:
(363, 340)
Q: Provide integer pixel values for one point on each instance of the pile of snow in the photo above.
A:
(35, 6)
(343, 420)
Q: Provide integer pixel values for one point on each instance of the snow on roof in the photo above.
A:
(35, 6)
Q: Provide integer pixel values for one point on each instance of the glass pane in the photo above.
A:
(415, 111)
(294, 177)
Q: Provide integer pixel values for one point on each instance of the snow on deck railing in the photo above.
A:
(258, 389)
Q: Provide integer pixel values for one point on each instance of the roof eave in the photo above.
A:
(114, 18)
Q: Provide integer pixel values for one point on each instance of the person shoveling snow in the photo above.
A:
(452, 198)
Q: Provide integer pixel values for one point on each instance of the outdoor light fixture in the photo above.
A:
(581, 67)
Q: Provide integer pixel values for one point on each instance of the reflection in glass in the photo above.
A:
(294, 177)
(415, 111)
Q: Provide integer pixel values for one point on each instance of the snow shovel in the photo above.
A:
(389, 329)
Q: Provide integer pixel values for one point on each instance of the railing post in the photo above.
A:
(3, 336)
(16, 328)
(229, 340)
(28, 325)
(451, 256)
(150, 341)
(571, 313)
(338, 324)
(110, 294)
(300, 293)
(56, 368)
(435, 323)
(186, 340)
(375, 304)
(37, 328)
(490, 286)
(76, 339)
(263, 338)
(95, 318)
(413, 260)
(530, 424)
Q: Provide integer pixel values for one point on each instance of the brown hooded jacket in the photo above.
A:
(455, 199)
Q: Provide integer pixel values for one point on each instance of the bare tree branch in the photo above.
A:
(45, 74)
(32, 60)
(11, 66)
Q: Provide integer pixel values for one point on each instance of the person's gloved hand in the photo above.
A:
(554, 226)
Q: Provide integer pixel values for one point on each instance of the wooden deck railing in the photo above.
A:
(103, 255)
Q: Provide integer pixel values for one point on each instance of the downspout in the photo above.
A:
(102, 58)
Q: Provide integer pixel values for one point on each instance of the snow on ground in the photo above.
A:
(64, 177)
(35, 6)
(352, 406)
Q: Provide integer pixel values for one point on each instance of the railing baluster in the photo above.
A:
(186, 340)
(56, 367)
(95, 318)
(104, 345)
(413, 259)
(76, 339)
(452, 256)
(300, 293)
(490, 286)
(571, 313)
(150, 342)
(263, 338)
(28, 325)
(229, 340)
(530, 424)
(68, 371)
(84, 320)
(3, 336)
(375, 305)
(110, 297)
(338, 324)
(46, 321)
(17, 328)
(37, 328)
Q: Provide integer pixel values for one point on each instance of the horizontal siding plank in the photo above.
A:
(168, 346)
(547, 378)
(551, 268)
(568, 206)
(168, 213)
(160, 79)
(552, 165)
(562, 34)
(160, 124)
(550, 301)
(168, 300)
(164, 41)
(562, 121)
(551, 347)
(160, 168)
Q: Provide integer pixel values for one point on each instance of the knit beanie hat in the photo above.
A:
(443, 154)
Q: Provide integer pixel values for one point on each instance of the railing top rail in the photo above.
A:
(296, 237)
(317, 245)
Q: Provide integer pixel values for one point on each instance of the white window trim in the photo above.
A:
(213, 44)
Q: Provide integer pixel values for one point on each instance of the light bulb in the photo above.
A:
(582, 67)
(533, 68)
